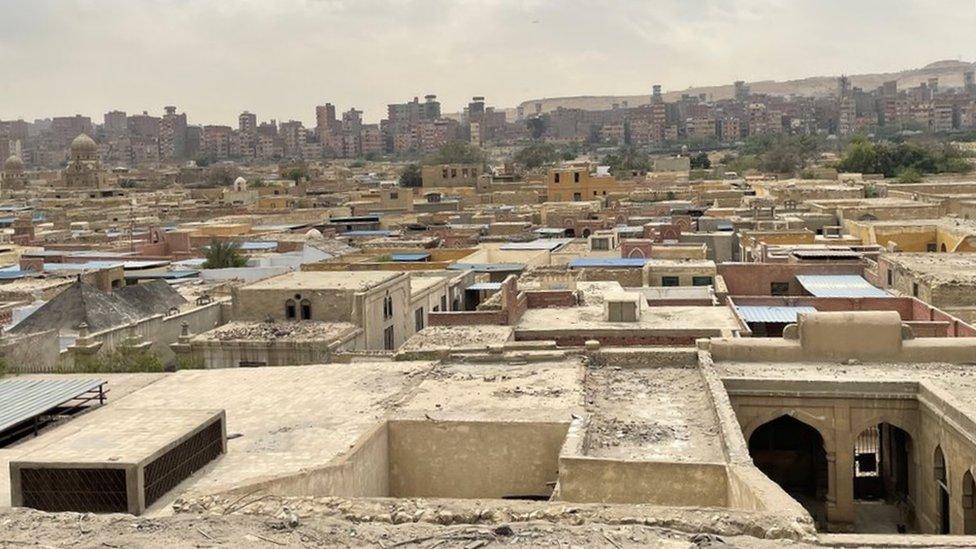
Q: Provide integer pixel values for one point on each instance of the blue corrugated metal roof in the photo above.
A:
(607, 262)
(22, 399)
(761, 313)
(423, 256)
(13, 274)
(839, 286)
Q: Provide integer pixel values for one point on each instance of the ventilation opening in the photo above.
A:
(163, 474)
(81, 490)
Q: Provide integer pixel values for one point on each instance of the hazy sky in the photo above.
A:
(279, 58)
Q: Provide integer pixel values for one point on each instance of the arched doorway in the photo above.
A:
(883, 501)
(791, 453)
(941, 490)
(943, 248)
(969, 503)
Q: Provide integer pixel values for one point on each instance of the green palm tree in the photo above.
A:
(223, 255)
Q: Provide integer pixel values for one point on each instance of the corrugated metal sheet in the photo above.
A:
(22, 399)
(410, 256)
(489, 286)
(839, 286)
(782, 315)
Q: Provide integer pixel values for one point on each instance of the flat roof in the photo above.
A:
(121, 435)
(703, 319)
(538, 244)
(324, 280)
(583, 262)
(487, 267)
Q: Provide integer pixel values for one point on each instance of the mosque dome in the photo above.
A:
(83, 145)
(13, 164)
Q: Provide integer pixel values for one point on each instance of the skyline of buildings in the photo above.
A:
(420, 126)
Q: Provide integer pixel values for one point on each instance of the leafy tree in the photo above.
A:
(296, 173)
(537, 155)
(892, 159)
(224, 255)
(742, 164)
(537, 126)
(782, 154)
(701, 161)
(124, 358)
(411, 176)
(628, 159)
(457, 152)
(910, 175)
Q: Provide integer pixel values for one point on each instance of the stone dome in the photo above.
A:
(313, 234)
(13, 164)
(240, 181)
(84, 145)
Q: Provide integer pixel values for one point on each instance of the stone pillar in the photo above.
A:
(182, 346)
(842, 449)
(84, 345)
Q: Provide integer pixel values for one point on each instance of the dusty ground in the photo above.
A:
(275, 526)
(654, 413)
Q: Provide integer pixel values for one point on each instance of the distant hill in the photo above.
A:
(948, 72)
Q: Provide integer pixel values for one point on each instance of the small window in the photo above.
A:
(891, 277)
(701, 281)
(388, 341)
(779, 288)
(418, 318)
(453, 173)
(306, 309)
(930, 247)
(290, 312)
(251, 364)
(556, 175)
(444, 173)
(600, 244)
(575, 177)
(577, 197)
(387, 308)
(464, 172)
(670, 281)
(915, 289)
(394, 196)
(443, 302)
